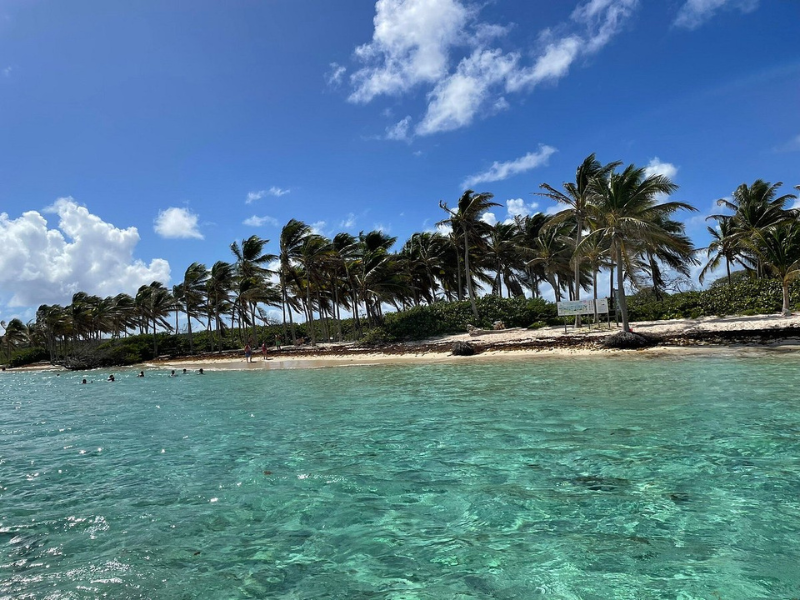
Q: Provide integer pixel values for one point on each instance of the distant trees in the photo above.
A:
(615, 219)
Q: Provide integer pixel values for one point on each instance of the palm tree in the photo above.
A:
(503, 257)
(722, 247)
(626, 211)
(529, 228)
(218, 292)
(156, 303)
(14, 335)
(779, 250)
(466, 222)
(755, 209)
(193, 292)
(551, 253)
(578, 196)
(311, 254)
(677, 253)
(292, 238)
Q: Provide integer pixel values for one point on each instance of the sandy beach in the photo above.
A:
(739, 334)
(707, 334)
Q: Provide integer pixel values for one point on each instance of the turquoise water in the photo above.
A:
(601, 477)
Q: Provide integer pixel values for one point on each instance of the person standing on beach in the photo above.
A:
(277, 344)
(248, 352)
(264, 350)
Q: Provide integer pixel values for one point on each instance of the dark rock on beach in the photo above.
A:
(463, 349)
(627, 340)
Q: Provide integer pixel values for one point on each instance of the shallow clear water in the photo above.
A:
(601, 477)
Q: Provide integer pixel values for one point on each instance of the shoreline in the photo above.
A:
(676, 337)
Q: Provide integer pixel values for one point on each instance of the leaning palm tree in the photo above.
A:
(626, 210)
(14, 335)
(250, 267)
(314, 250)
(293, 236)
(466, 222)
(193, 291)
(577, 197)
(218, 292)
(778, 249)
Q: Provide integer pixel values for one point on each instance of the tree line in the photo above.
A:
(612, 218)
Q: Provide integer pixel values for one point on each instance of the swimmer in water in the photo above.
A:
(141, 374)
(111, 378)
(200, 372)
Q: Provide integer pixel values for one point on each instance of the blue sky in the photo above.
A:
(136, 138)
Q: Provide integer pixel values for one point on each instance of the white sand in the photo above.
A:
(438, 349)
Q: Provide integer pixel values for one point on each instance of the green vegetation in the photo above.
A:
(616, 219)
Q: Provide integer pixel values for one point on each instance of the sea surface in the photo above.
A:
(572, 477)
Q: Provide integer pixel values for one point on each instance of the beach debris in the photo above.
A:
(463, 349)
(627, 340)
(498, 325)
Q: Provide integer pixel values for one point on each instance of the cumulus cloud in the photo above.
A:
(410, 45)
(489, 218)
(273, 191)
(658, 167)
(455, 101)
(503, 170)
(422, 43)
(177, 223)
(516, 207)
(696, 12)
(43, 265)
(256, 221)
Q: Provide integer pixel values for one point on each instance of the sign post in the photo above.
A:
(583, 307)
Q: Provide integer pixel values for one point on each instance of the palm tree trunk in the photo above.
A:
(189, 321)
(576, 259)
(786, 311)
(623, 304)
(468, 274)
(728, 268)
(594, 292)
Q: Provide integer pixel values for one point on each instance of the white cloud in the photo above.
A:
(410, 45)
(417, 42)
(256, 221)
(381, 227)
(336, 74)
(489, 218)
(177, 223)
(399, 131)
(273, 191)
(41, 265)
(499, 171)
(517, 208)
(318, 227)
(657, 167)
(455, 101)
(7, 71)
(349, 222)
(696, 12)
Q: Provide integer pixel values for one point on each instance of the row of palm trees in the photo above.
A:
(761, 234)
(613, 219)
